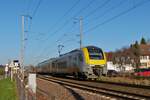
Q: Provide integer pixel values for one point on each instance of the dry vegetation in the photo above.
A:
(127, 80)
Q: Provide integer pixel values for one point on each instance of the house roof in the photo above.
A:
(145, 49)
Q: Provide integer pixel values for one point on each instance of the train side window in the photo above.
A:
(53, 64)
(80, 57)
(73, 57)
(70, 57)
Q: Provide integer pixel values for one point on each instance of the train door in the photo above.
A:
(80, 61)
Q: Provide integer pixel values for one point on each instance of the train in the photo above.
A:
(88, 63)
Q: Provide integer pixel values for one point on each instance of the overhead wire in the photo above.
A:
(118, 15)
(34, 13)
(31, 16)
(65, 14)
(93, 11)
(112, 18)
(59, 20)
(96, 9)
(67, 21)
(36, 9)
(65, 34)
(81, 10)
(29, 7)
(105, 12)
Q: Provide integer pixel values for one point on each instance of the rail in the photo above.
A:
(96, 89)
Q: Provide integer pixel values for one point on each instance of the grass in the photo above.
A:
(7, 90)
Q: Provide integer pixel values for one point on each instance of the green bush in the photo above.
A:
(2, 71)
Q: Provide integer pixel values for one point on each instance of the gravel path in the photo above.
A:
(50, 91)
(141, 91)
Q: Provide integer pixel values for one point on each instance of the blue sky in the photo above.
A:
(55, 22)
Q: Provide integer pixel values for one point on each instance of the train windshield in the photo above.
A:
(95, 53)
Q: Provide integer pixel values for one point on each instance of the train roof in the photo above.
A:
(77, 50)
(92, 47)
(73, 51)
(46, 61)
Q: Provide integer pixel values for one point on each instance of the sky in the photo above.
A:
(108, 24)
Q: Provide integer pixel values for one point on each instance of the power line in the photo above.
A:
(33, 14)
(99, 7)
(65, 34)
(35, 11)
(69, 40)
(47, 52)
(29, 6)
(88, 15)
(67, 21)
(116, 16)
(81, 10)
(29, 21)
(107, 11)
(85, 7)
(66, 13)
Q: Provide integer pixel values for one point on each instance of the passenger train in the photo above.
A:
(88, 63)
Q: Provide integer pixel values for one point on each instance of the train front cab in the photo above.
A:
(95, 62)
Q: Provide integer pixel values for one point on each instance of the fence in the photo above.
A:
(24, 92)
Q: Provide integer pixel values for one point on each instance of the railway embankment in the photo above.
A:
(106, 90)
(47, 90)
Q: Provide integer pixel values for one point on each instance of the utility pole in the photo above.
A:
(60, 48)
(23, 44)
(22, 49)
(81, 32)
(80, 29)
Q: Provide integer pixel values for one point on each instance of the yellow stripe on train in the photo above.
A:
(93, 62)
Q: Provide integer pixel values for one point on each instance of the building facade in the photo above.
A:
(128, 59)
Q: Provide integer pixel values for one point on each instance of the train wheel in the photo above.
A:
(76, 75)
(96, 79)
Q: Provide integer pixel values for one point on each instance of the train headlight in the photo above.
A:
(92, 65)
(102, 65)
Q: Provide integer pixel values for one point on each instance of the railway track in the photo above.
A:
(92, 87)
